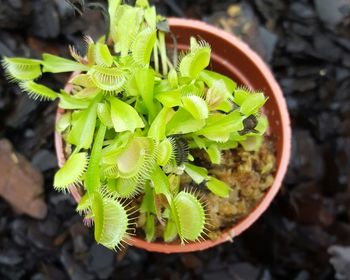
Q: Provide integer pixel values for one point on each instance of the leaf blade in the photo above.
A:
(82, 132)
(124, 117)
(55, 64)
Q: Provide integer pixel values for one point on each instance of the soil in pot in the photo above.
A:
(249, 174)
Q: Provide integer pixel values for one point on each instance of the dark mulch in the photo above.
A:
(307, 44)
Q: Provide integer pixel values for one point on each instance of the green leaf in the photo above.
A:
(195, 61)
(148, 203)
(112, 11)
(196, 106)
(107, 78)
(126, 25)
(221, 136)
(116, 146)
(220, 126)
(226, 106)
(189, 87)
(84, 204)
(214, 154)
(109, 172)
(165, 152)
(162, 49)
(64, 122)
(90, 50)
(69, 102)
(217, 94)
(124, 188)
(199, 142)
(218, 187)
(131, 86)
(92, 177)
(143, 46)
(158, 127)
(87, 93)
(183, 122)
(104, 114)
(160, 183)
(252, 103)
(82, 132)
(37, 91)
(56, 64)
(170, 232)
(142, 84)
(111, 221)
(21, 69)
(194, 44)
(98, 209)
(172, 78)
(131, 159)
(236, 136)
(174, 181)
(170, 98)
(138, 160)
(241, 94)
(71, 172)
(189, 216)
(229, 145)
(82, 80)
(210, 77)
(252, 143)
(145, 83)
(151, 17)
(124, 117)
(262, 125)
(161, 86)
(150, 228)
(198, 174)
(102, 55)
(142, 4)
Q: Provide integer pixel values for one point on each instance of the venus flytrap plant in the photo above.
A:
(132, 121)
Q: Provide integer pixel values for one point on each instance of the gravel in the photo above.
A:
(305, 233)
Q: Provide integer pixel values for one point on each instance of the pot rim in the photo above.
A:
(260, 208)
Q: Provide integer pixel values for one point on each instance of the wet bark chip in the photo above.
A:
(21, 185)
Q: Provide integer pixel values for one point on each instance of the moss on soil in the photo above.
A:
(250, 175)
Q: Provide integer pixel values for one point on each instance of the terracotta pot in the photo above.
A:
(231, 57)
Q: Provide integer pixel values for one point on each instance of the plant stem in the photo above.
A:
(171, 66)
(155, 57)
(163, 54)
(92, 176)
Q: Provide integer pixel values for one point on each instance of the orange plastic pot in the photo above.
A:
(231, 57)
